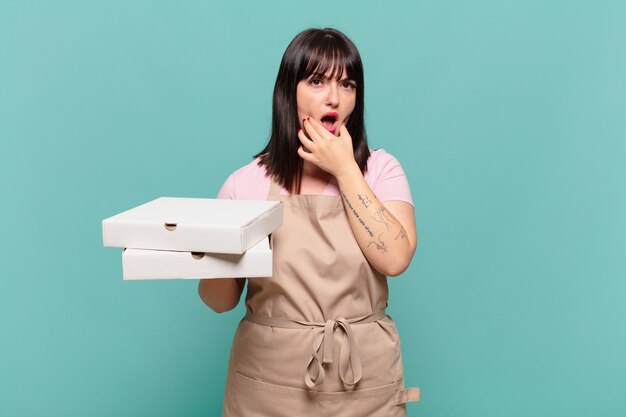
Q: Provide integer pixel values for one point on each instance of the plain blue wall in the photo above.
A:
(509, 119)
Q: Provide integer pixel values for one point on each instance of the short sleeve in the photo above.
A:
(228, 189)
(388, 180)
(247, 183)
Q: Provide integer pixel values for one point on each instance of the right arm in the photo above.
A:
(221, 294)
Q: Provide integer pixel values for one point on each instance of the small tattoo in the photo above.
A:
(401, 235)
(365, 200)
(380, 216)
(381, 246)
(366, 227)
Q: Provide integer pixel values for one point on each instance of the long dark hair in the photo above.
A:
(313, 51)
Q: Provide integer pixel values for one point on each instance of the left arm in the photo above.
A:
(386, 233)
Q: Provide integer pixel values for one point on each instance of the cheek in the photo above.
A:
(300, 98)
(303, 112)
(303, 102)
(349, 105)
(303, 106)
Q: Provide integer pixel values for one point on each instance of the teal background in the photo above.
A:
(508, 117)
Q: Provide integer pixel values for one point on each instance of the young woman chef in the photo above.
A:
(316, 339)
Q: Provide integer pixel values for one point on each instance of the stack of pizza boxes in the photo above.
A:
(194, 238)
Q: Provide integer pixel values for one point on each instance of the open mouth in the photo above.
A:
(329, 121)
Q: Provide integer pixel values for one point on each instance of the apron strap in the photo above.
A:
(407, 395)
(349, 360)
(274, 191)
(274, 188)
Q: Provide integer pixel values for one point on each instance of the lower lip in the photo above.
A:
(332, 130)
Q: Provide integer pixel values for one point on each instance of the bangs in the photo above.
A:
(331, 57)
(319, 53)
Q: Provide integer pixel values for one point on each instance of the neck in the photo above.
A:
(311, 170)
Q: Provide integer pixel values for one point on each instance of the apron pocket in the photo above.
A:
(257, 398)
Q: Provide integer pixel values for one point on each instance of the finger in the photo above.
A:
(304, 154)
(322, 131)
(312, 130)
(343, 130)
(308, 143)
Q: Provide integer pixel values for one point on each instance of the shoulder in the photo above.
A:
(250, 182)
(386, 177)
(380, 163)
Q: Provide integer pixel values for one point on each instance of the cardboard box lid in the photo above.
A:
(142, 264)
(194, 225)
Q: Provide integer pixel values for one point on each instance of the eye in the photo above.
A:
(348, 84)
(316, 81)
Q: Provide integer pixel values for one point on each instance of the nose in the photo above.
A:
(332, 96)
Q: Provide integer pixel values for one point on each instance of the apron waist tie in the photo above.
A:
(323, 340)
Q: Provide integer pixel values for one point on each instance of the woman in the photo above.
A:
(316, 339)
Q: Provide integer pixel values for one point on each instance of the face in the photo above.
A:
(329, 101)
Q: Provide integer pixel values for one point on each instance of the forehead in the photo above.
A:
(328, 62)
(329, 72)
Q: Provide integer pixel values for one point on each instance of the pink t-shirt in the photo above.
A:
(384, 175)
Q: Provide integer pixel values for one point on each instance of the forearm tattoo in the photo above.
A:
(366, 227)
(401, 234)
(365, 200)
(381, 215)
(381, 246)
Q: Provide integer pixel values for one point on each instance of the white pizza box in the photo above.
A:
(140, 264)
(194, 225)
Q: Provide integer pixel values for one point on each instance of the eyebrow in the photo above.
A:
(324, 77)
(318, 75)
